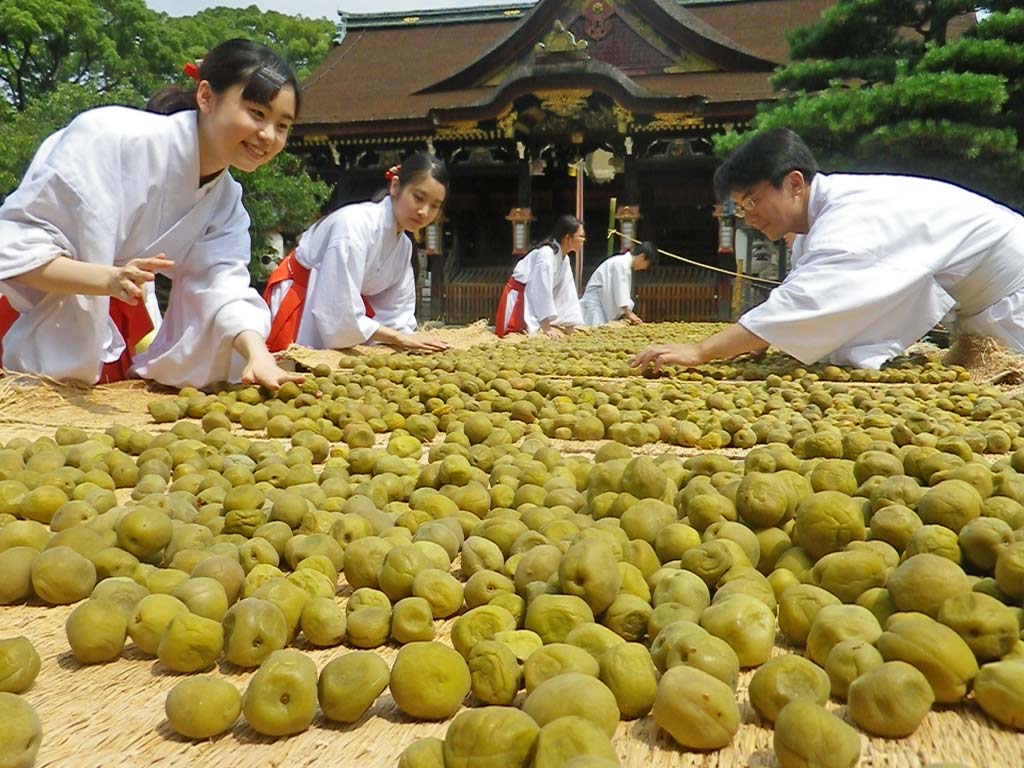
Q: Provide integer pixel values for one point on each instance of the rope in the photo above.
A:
(739, 276)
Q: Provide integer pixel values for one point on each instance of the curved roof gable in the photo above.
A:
(683, 40)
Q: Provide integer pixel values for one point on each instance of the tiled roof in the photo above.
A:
(392, 72)
(372, 75)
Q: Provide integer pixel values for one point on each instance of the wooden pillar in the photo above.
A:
(632, 185)
(521, 216)
(435, 263)
(433, 240)
(783, 260)
(628, 211)
(524, 191)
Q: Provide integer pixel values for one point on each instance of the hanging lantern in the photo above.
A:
(520, 218)
(628, 215)
(432, 237)
(726, 215)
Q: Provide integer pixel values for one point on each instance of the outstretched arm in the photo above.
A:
(729, 342)
(64, 275)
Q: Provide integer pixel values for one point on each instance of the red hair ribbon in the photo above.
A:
(191, 70)
(392, 172)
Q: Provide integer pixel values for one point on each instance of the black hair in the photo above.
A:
(769, 156)
(261, 72)
(648, 251)
(423, 164)
(417, 166)
(565, 225)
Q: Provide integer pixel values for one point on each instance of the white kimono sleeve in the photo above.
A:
(853, 308)
(211, 302)
(335, 299)
(540, 289)
(566, 300)
(616, 291)
(69, 206)
(593, 312)
(395, 306)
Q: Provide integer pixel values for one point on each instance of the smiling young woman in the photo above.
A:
(350, 280)
(121, 194)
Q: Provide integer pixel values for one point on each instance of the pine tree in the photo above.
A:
(883, 86)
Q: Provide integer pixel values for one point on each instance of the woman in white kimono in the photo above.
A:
(121, 194)
(877, 261)
(607, 296)
(350, 280)
(540, 296)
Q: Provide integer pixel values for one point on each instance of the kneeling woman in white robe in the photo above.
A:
(111, 197)
(540, 296)
(607, 296)
(350, 280)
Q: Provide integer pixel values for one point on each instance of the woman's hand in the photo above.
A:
(632, 319)
(407, 342)
(414, 342)
(265, 371)
(549, 330)
(127, 282)
(261, 367)
(64, 275)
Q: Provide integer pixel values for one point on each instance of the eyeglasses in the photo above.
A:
(749, 203)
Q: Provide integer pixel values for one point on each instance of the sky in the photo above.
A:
(327, 9)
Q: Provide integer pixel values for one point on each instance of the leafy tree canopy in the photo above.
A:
(100, 45)
(303, 42)
(24, 131)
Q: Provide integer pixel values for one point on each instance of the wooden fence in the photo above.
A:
(472, 294)
(665, 293)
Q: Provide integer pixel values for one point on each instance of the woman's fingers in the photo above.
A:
(158, 263)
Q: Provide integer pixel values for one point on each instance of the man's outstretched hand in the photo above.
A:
(686, 355)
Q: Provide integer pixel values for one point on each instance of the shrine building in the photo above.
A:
(519, 98)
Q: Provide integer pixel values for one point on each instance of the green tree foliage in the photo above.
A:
(101, 45)
(885, 86)
(281, 196)
(24, 131)
(303, 42)
(61, 57)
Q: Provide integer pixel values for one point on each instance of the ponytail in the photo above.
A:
(565, 225)
(171, 99)
(415, 167)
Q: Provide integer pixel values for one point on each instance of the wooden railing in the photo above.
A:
(695, 302)
(668, 293)
(472, 294)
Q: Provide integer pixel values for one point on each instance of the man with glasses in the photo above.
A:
(877, 261)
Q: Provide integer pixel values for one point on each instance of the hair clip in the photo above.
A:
(271, 77)
(192, 70)
(392, 172)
